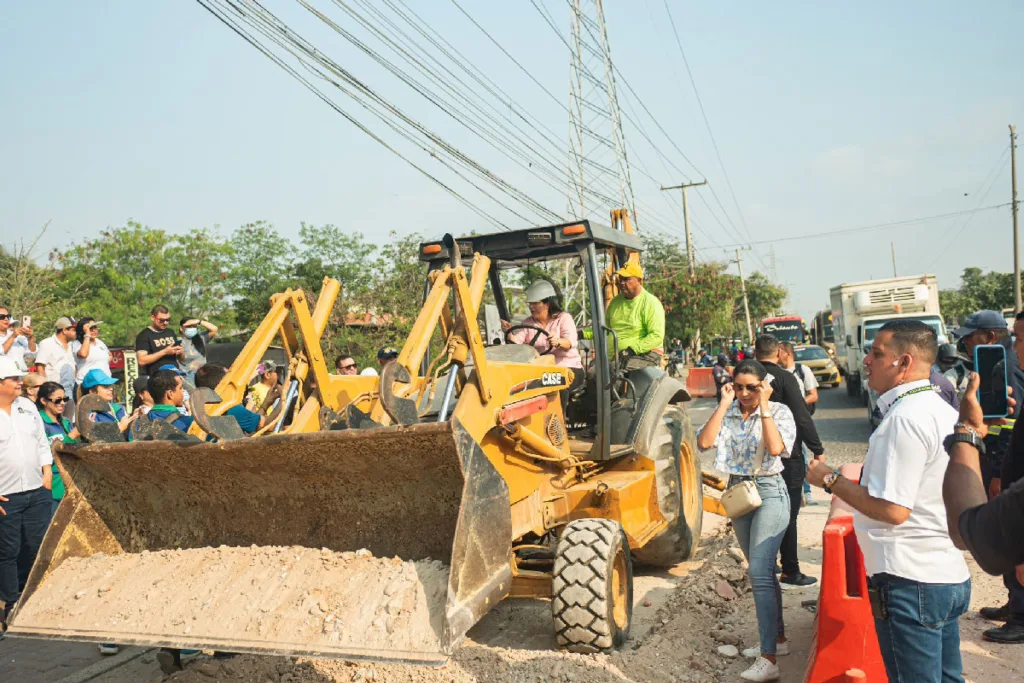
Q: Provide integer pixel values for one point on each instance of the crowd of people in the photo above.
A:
(938, 476)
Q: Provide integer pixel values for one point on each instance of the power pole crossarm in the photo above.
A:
(690, 255)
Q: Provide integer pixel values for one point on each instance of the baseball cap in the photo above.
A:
(140, 384)
(631, 269)
(97, 377)
(982, 320)
(269, 366)
(387, 353)
(8, 368)
(64, 322)
(172, 367)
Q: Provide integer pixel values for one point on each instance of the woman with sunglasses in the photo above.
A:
(50, 402)
(751, 435)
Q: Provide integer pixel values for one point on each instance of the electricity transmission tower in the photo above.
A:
(599, 178)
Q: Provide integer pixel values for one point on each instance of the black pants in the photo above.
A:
(790, 562)
(21, 532)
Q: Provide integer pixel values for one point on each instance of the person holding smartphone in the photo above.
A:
(157, 345)
(15, 342)
(751, 435)
(918, 580)
(91, 353)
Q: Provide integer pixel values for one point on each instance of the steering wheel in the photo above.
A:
(533, 342)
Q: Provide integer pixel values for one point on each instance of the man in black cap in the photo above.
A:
(386, 355)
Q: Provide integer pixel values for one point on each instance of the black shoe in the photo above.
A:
(996, 613)
(169, 660)
(1011, 632)
(798, 580)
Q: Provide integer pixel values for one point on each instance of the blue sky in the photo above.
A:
(827, 116)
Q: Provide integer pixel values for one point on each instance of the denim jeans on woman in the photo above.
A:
(760, 535)
(919, 635)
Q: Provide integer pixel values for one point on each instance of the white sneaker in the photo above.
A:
(761, 670)
(781, 650)
(108, 649)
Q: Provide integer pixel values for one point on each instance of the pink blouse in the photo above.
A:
(561, 326)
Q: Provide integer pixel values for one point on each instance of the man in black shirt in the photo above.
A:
(156, 345)
(787, 391)
(992, 530)
(1012, 471)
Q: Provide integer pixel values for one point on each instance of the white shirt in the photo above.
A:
(806, 379)
(99, 358)
(24, 450)
(19, 347)
(905, 465)
(59, 362)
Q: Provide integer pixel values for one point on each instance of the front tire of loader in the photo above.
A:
(677, 464)
(592, 586)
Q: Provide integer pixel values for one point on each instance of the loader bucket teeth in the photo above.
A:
(256, 545)
(222, 427)
(401, 410)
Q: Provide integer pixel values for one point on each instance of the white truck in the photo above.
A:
(859, 309)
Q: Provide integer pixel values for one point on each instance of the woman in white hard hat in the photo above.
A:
(562, 338)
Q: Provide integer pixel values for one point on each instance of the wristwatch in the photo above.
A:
(969, 437)
(830, 479)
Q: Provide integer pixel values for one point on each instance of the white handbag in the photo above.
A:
(743, 498)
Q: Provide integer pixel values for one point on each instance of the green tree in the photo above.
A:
(30, 287)
(327, 251)
(127, 270)
(763, 296)
(259, 265)
(977, 291)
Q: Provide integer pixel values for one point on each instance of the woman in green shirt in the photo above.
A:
(50, 401)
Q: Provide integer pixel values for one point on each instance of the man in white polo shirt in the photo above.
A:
(919, 582)
(25, 480)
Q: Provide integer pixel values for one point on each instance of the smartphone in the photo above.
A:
(26, 321)
(990, 364)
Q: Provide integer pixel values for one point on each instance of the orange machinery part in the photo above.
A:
(700, 383)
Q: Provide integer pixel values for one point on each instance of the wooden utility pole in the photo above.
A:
(686, 220)
(1016, 219)
(892, 248)
(746, 303)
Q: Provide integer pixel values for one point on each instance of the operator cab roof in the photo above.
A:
(516, 248)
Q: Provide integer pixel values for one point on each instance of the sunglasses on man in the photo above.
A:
(347, 367)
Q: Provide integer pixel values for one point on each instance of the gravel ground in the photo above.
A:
(674, 613)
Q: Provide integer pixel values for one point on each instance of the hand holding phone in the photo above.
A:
(990, 364)
(26, 321)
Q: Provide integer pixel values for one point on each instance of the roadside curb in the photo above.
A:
(106, 664)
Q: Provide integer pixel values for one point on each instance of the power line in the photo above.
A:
(865, 228)
(704, 115)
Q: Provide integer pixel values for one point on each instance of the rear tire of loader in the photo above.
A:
(674, 450)
(592, 586)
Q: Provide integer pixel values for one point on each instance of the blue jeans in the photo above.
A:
(920, 636)
(760, 535)
(21, 532)
(807, 461)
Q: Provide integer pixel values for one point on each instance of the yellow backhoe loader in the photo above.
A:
(460, 452)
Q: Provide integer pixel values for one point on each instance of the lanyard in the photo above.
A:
(918, 390)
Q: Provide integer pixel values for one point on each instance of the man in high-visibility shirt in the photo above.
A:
(638, 318)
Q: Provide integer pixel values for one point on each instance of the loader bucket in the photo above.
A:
(260, 545)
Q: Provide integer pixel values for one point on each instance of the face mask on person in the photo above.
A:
(191, 332)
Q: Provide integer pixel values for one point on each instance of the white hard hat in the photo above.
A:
(8, 368)
(368, 372)
(539, 291)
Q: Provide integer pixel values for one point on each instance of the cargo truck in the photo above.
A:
(859, 309)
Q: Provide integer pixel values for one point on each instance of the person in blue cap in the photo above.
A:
(98, 382)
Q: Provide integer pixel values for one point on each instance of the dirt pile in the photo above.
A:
(287, 595)
(682, 647)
